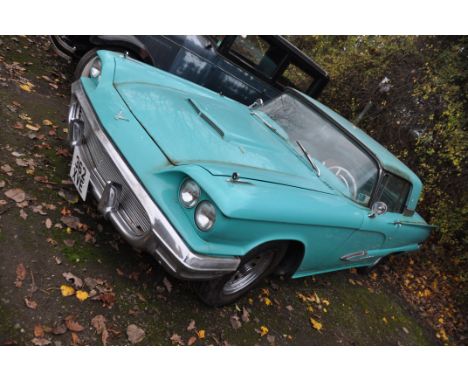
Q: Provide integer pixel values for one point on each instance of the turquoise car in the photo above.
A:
(224, 194)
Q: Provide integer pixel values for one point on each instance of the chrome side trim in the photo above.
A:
(162, 240)
(356, 256)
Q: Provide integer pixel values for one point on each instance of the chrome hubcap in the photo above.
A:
(248, 272)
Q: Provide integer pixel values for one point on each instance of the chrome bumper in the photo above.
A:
(125, 202)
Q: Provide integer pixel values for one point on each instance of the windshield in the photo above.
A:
(340, 158)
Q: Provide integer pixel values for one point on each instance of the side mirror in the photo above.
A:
(378, 208)
(257, 102)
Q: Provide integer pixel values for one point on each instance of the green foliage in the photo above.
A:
(422, 118)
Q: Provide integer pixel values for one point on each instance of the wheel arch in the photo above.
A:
(292, 259)
(126, 43)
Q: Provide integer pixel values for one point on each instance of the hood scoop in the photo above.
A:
(203, 115)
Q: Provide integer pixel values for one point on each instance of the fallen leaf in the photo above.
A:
(73, 325)
(7, 169)
(46, 122)
(71, 221)
(75, 339)
(135, 334)
(263, 330)
(105, 337)
(48, 223)
(99, 323)
(245, 315)
(69, 242)
(75, 280)
(38, 330)
(20, 275)
(235, 321)
(38, 210)
(30, 303)
(267, 301)
(108, 299)
(25, 87)
(32, 127)
(67, 290)
(58, 261)
(176, 339)
(315, 324)
(191, 340)
(271, 339)
(191, 325)
(16, 194)
(59, 329)
(289, 308)
(201, 334)
(2, 183)
(167, 284)
(82, 295)
(23, 215)
(40, 341)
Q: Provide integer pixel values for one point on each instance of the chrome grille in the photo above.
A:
(104, 169)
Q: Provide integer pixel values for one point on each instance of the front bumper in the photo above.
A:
(126, 203)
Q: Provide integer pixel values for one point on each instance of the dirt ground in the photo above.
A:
(124, 297)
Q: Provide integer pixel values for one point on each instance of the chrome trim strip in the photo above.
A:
(356, 256)
(163, 240)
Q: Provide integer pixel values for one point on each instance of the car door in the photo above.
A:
(379, 231)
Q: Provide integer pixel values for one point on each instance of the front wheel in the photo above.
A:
(254, 266)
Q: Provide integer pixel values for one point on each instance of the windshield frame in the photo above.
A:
(303, 99)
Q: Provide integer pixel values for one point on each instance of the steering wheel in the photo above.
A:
(346, 177)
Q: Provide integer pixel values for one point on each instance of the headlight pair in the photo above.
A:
(205, 213)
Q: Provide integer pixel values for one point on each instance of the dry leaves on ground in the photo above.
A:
(99, 323)
(16, 194)
(40, 341)
(72, 325)
(135, 334)
(315, 324)
(20, 275)
(71, 278)
(235, 321)
(67, 290)
(82, 295)
(30, 303)
(176, 339)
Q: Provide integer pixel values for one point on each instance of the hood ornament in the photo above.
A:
(120, 117)
(235, 179)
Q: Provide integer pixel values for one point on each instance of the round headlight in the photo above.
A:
(205, 216)
(96, 67)
(189, 193)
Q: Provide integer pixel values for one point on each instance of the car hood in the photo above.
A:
(216, 133)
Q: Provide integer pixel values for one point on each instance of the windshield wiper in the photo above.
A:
(267, 124)
(309, 158)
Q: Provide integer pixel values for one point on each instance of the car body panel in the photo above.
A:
(272, 201)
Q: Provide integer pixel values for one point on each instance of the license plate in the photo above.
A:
(80, 175)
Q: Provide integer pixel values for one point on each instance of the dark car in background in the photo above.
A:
(244, 68)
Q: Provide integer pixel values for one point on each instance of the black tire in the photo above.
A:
(224, 290)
